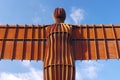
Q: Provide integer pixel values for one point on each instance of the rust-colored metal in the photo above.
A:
(59, 44)
(59, 15)
(21, 42)
(59, 59)
(89, 42)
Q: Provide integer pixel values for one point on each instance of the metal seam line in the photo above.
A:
(116, 42)
(3, 44)
(96, 48)
(44, 40)
(105, 42)
(15, 43)
(88, 43)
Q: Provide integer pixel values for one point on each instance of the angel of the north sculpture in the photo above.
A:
(58, 45)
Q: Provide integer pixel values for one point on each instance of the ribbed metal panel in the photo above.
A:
(59, 59)
(22, 42)
(89, 42)
(97, 41)
(59, 45)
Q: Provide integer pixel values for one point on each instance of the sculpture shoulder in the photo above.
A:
(61, 27)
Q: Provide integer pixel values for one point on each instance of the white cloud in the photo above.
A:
(78, 75)
(22, 76)
(36, 20)
(91, 72)
(87, 70)
(7, 76)
(33, 74)
(26, 63)
(33, 71)
(43, 8)
(77, 15)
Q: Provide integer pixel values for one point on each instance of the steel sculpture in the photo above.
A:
(58, 45)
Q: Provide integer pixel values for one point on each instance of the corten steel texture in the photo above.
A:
(59, 59)
(59, 45)
(89, 42)
(22, 42)
(59, 15)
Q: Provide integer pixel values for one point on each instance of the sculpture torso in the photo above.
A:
(58, 48)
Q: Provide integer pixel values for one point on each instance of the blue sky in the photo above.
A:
(78, 12)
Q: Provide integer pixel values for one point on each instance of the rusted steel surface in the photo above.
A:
(97, 42)
(59, 60)
(22, 42)
(89, 42)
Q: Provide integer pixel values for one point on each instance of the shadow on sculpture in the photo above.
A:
(63, 46)
(58, 45)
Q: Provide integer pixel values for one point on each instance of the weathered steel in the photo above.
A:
(59, 44)
(17, 41)
(88, 42)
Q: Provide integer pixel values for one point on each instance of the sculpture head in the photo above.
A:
(59, 15)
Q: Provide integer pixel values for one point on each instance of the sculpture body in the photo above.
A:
(59, 44)
(59, 59)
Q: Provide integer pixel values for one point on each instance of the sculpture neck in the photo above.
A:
(59, 21)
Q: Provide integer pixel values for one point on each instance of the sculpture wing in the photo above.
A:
(94, 42)
(22, 42)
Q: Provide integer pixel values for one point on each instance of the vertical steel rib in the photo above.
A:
(44, 45)
(15, 43)
(81, 43)
(39, 47)
(82, 51)
(63, 54)
(96, 46)
(105, 42)
(116, 42)
(75, 41)
(4, 42)
(88, 42)
(32, 44)
(24, 43)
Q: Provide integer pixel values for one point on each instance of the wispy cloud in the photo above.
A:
(22, 76)
(87, 70)
(36, 19)
(40, 14)
(91, 72)
(78, 75)
(77, 15)
(33, 70)
(43, 8)
(26, 63)
(8, 76)
(33, 74)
